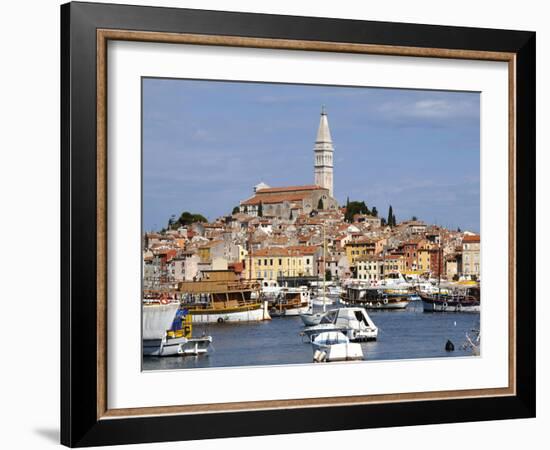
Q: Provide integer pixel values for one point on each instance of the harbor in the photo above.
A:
(406, 334)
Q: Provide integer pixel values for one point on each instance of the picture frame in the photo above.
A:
(86, 418)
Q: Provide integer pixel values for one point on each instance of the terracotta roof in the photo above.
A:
(469, 238)
(256, 200)
(295, 250)
(310, 187)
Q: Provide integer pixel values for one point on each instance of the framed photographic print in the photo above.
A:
(277, 224)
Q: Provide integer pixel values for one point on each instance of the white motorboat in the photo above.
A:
(355, 323)
(322, 300)
(335, 346)
(310, 318)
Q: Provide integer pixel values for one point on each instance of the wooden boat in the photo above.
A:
(290, 302)
(220, 296)
(376, 298)
(465, 299)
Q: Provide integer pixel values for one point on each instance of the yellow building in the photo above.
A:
(370, 268)
(279, 262)
(394, 264)
(359, 248)
(423, 259)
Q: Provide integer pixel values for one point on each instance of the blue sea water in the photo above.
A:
(407, 334)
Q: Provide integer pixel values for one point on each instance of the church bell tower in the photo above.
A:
(323, 151)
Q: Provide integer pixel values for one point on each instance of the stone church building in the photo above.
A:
(290, 201)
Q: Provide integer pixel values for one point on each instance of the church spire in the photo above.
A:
(323, 154)
(323, 134)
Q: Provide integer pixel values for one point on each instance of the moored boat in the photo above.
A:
(335, 346)
(290, 302)
(375, 297)
(157, 318)
(465, 299)
(220, 296)
(355, 323)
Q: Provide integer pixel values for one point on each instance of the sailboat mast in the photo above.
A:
(324, 266)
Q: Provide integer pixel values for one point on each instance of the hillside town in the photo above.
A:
(293, 234)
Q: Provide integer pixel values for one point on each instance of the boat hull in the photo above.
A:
(289, 312)
(437, 305)
(388, 304)
(337, 352)
(222, 316)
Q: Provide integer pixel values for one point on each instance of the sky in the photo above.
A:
(207, 143)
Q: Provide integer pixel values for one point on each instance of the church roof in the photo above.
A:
(309, 187)
(323, 134)
(285, 197)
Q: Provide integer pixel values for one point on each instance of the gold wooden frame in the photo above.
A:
(104, 35)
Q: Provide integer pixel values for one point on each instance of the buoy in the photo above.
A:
(449, 346)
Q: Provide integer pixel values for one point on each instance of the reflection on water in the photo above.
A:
(402, 335)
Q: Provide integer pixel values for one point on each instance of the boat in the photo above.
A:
(310, 318)
(376, 298)
(221, 296)
(290, 302)
(460, 299)
(335, 346)
(178, 340)
(354, 322)
(270, 289)
(157, 317)
(322, 300)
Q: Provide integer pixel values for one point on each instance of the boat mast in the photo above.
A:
(439, 268)
(324, 266)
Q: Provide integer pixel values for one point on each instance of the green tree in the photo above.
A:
(414, 218)
(374, 212)
(320, 205)
(383, 222)
(260, 210)
(236, 209)
(355, 207)
(390, 217)
(187, 218)
(393, 221)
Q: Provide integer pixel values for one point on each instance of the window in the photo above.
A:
(280, 261)
(307, 261)
(259, 262)
(271, 262)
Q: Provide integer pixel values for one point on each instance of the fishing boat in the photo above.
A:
(354, 322)
(220, 296)
(376, 298)
(335, 346)
(460, 299)
(290, 302)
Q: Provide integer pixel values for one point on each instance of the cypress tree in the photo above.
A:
(390, 217)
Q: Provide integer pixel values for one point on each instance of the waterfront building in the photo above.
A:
(394, 264)
(274, 263)
(369, 268)
(470, 255)
(361, 246)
